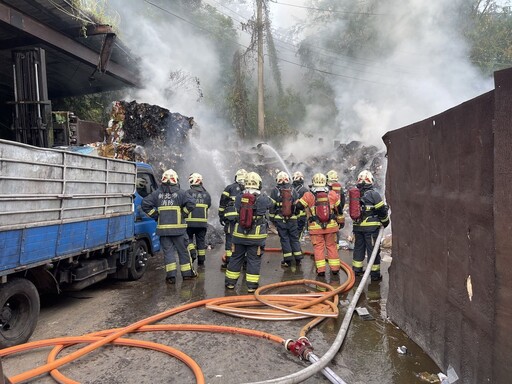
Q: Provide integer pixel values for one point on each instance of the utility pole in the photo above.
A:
(261, 105)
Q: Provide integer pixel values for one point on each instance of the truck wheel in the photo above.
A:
(19, 310)
(139, 260)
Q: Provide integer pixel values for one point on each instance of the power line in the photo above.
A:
(328, 10)
(278, 58)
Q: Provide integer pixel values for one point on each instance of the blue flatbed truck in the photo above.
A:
(67, 220)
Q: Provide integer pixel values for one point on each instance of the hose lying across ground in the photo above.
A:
(319, 305)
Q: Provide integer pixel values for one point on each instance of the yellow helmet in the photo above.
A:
(282, 178)
(319, 180)
(170, 177)
(365, 177)
(195, 179)
(240, 175)
(253, 181)
(297, 176)
(332, 175)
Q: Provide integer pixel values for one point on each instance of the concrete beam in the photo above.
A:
(51, 37)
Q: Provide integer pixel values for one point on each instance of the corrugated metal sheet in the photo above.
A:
(448, 189)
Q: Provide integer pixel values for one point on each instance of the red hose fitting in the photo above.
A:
(301, 347)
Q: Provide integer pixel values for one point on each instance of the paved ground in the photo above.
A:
(368, 355)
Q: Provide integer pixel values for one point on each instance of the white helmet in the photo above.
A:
(365, 177)
(170, 177)
(282, 178)
(319, 180)
(298, 176)
(195, 179)
(332, 176)
(253, 181)
(240, 175)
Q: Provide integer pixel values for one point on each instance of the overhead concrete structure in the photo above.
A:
(450, 283)
(82, 56)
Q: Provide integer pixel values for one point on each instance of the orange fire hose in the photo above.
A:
(283, 307)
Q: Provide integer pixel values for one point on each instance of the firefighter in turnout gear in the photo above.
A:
(298, 185)
(322, 207)
(283, 215)
(227, 211)
(169, 206)
(249, 234)
(374, 214)
(334, 185)
(197, 220)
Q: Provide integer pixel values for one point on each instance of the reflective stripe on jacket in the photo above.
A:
(374, 211)
(258, 232)
(199, 216)
(169, 205)
(308, 201)
(227, 208)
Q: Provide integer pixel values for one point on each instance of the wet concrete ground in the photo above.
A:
(368, 355)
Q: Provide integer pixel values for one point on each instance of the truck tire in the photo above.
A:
(139, 260)
(19, 310)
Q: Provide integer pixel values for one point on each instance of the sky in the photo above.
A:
(424, 69)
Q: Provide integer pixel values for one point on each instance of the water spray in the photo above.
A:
(276, 155)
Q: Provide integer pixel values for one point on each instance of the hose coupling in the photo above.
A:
(300, 348)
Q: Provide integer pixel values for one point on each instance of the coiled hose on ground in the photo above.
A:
(319, 305)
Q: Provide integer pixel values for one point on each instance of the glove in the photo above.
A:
(312, 218)
(221, 221)
(341, 221)
(385, 224)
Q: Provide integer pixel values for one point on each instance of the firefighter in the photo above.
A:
(334, 184)
(298, 185)
(322, 207)
(374, 214)
(283, 215)
(197, 220)
(249, 241)
(169, 205)
(227, 212)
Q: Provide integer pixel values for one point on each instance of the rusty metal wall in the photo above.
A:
(448, 190)
(502, 352)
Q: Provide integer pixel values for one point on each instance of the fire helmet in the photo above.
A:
(282, 178)
(240, 175)
(319, 180)
(195, 179)
(170, 177)
(365, 177)
(298, 176)
(253, 181)
(332, 176)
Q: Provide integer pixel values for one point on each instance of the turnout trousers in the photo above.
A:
(172, 245)
(252, 255)
(199, 233)
(363, 246)
(228, 234)
(323, 243)
(289, 236)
